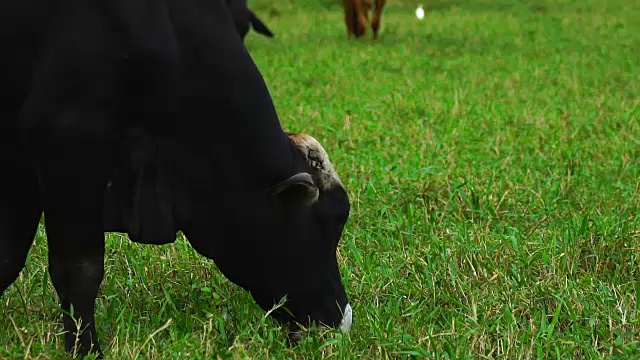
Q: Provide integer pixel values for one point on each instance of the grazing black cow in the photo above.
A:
(243, 17)
(150, 116)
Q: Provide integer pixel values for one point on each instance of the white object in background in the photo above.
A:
(420, 12)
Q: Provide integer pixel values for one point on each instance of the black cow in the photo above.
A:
(149, 116)
(243, 17)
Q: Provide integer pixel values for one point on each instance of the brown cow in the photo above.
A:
(356, 16)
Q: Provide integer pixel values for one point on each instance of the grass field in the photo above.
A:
(492, 155)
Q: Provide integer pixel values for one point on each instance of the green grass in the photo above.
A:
(492, 155)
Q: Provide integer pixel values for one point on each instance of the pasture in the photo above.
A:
(492, 156)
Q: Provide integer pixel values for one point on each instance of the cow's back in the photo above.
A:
(174, 67)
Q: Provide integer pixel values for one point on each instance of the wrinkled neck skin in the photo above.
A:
(218, 199)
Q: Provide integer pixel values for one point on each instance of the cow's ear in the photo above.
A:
(297, 190)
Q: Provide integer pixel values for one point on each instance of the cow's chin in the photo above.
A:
(297, 333)
(298, 327)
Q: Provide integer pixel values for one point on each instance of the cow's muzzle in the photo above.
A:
(345, 325)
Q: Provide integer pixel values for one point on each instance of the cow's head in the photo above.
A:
(275, 240)
(314, 207)
(281, 241)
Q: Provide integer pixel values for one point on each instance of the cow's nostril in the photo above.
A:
(347, 319)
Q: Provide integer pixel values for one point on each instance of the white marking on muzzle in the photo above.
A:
(347, 318)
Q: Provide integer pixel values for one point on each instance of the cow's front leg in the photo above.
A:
(377, 16)
(349, 17)
(362, 18)
(19, 215)
(73, 187)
